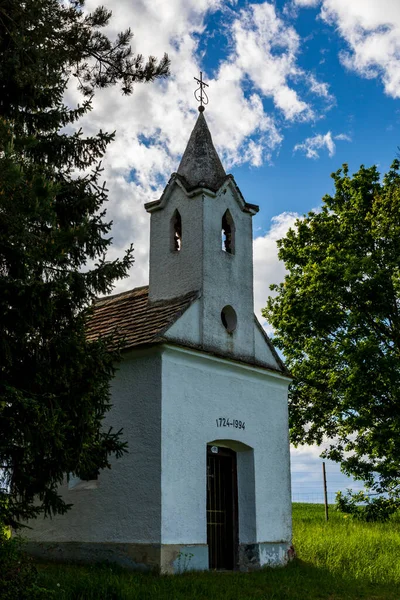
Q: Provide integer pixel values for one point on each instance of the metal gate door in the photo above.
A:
(222, 527)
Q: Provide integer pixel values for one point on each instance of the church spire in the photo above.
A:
(200, 165)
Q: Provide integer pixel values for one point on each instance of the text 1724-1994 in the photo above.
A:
(235, 423)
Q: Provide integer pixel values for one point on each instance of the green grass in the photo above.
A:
(338, 560)
(362, 551)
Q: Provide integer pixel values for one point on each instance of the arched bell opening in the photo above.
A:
(228, 233)
(231, 515)
(176, 232)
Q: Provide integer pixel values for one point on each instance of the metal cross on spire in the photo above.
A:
(200, 93)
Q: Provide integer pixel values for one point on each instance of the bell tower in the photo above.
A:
(201, 241)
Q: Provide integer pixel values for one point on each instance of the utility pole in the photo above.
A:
(325, 492)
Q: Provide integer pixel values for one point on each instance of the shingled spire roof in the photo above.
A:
(200, 165)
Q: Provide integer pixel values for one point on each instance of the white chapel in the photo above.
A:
(200, 393)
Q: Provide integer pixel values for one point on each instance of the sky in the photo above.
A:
(296, 89)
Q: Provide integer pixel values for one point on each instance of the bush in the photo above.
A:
(18, 575)
(364, 508)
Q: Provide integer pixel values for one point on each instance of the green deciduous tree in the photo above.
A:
(336, 318)
(54, 384)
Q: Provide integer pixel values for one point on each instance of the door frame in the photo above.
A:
(228, 452)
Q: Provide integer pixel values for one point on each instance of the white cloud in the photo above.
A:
(306, 3)
(307, 479)
(312, 145)
(319, 88)
(268, 269)
(343, 137)
(266, 51)
(372, 32)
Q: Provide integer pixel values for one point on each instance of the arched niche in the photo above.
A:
(228, 233)
(232, 444)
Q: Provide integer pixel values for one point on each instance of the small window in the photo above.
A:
(176, 232)
(229, 318)
(91, 482)
(228, 233)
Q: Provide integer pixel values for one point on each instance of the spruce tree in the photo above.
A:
(54, 236)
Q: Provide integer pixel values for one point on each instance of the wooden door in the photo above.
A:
(222, 528)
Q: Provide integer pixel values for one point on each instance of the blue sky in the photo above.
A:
(359, 109)
(297, 88)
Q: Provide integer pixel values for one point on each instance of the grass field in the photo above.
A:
(338, 560)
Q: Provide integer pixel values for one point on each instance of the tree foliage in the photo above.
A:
(336, 318)
(362, 507)
(54, 384)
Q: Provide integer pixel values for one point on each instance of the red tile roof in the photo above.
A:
(132, 318)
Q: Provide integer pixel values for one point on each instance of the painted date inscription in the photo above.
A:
(222, 422)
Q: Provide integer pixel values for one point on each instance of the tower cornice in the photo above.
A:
(178, 180)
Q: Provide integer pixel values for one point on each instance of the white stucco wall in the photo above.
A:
(126, 504)
(262, 352)
(197, 389)
(167, 400)
(173, 274)
(246, 495)
(187, 329)
(227, 278)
